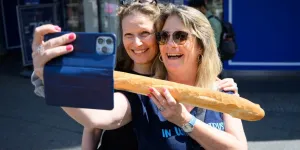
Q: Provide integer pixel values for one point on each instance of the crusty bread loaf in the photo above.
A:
(205, 98)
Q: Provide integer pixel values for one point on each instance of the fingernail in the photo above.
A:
(150, 89)
(149, 95)
(69, 47)
(71, 36)
(57, 28)
(164, 89)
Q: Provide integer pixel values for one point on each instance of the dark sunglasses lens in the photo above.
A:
(162, 37)
(180, 37)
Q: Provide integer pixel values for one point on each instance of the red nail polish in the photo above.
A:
(57, 28)
(69, 47)
(149, 95)
(151, 90)
(71, 36)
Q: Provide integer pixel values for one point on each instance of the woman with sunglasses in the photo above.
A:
(139, 32)
(188, 55)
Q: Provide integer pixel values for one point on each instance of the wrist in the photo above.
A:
(184, 120)
(189, 126)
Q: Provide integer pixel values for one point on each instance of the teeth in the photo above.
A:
(173, 55)
(139, 52)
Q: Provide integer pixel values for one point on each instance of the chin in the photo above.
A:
(173, 68)
(142, 61)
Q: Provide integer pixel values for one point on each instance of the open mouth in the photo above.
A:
(174, 56)
(140, 51)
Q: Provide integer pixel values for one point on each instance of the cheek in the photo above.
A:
(152, 39)
(151, 43)
(127, 44)
(192, 49)
(162, 49)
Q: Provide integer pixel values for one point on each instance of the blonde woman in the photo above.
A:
(188, 55)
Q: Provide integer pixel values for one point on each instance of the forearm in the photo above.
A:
(103, 119)
(91, 118)
(211, 138)
(90, 138)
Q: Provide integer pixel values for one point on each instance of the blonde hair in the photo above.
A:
(124, 62)
(210, 65)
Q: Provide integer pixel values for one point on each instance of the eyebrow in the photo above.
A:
(127, 34)
(140, 32)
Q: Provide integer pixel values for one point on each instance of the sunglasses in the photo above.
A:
(178, 37)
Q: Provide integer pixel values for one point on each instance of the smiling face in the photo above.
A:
(179, 58)
(139, 38)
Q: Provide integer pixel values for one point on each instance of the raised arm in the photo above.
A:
(44, 51)
(103, 119)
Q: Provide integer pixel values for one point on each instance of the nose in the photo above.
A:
(171, 42)
(138, 41)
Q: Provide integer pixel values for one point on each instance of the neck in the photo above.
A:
(187, 77)
(142, 68)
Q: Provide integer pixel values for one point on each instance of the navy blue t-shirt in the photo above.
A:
(122, 138)
(154, 132)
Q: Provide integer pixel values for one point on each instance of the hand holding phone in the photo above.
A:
(84, 77)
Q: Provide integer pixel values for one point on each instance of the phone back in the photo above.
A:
(84, 77)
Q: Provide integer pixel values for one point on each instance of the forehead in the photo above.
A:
(174, 23)
(137, 21)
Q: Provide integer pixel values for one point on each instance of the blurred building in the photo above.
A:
(70, 15)
(267, 31)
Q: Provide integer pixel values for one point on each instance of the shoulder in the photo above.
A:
(215, 22)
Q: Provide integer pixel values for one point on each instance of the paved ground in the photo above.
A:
(26, 123)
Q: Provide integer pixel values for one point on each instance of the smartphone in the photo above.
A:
(84, 77)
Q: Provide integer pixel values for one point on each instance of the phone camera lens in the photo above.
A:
(105, 50)
(108, 41)
(100, 41)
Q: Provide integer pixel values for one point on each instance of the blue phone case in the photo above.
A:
(84, 77)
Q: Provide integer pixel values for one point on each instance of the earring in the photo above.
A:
(160, 58)
(200, 58)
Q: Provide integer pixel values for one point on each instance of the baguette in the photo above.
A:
(204, 98)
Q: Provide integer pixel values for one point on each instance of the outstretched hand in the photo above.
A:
(44, 51)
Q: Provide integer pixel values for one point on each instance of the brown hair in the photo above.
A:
(124, 62)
